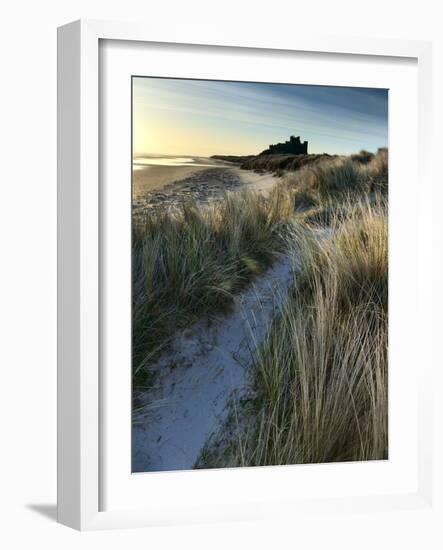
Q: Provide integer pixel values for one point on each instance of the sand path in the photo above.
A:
(262, 183)
(195, 380)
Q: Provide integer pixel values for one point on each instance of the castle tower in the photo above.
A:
(294, 146)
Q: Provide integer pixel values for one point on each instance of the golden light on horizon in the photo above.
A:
(204, 118)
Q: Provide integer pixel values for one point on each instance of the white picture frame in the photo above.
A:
(81, 411)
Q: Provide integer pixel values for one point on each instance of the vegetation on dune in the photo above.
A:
(323, 192)
(320, 376)
(280, 163)
(342, 175)
(277, 163)
(320, 164)
(363, 156)
(192, 261)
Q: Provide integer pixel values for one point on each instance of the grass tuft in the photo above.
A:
(320, 376)
(192, 262)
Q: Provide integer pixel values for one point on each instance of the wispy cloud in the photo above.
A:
(207, 117)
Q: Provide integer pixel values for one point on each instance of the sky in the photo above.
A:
(204, 118)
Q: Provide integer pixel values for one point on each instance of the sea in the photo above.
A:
(140, 162)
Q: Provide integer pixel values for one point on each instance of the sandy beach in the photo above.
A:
(157, 186)
(155, 171)
(149, 178)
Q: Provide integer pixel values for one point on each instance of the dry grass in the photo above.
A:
(191, 262)
(280, 163)
(333, 177)
(363, 156)
(320, 377)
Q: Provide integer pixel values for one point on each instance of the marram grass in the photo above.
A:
(320, 377)
(192, 261)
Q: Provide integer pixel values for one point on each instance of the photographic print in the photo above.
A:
(259, 274)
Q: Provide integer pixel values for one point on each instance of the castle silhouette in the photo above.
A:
(292, 147)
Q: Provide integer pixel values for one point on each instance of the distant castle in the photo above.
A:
(292, 147)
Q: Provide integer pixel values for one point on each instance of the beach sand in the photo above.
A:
(159, 186)
(207, 365)
(148, 178)
(263, 183)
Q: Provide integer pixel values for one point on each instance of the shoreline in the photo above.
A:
(146, 179)
(169, 186)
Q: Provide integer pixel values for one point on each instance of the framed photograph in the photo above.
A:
(244, 267)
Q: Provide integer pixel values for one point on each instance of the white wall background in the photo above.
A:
(28, 267)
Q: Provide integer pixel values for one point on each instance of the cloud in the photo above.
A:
(340, 119)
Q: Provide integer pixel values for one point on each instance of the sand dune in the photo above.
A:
(206, 365)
